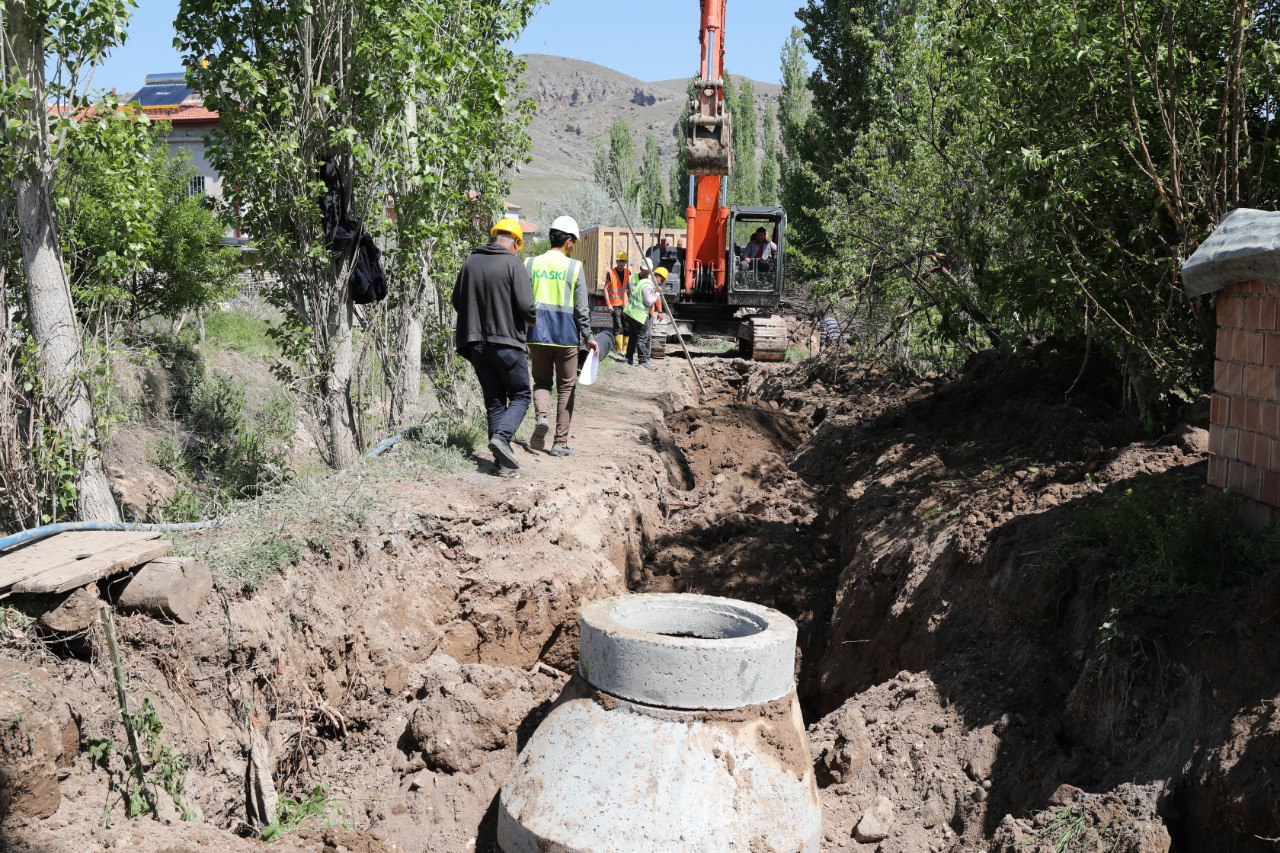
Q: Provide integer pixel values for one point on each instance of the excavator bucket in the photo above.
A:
(708, 157)
(709, 148)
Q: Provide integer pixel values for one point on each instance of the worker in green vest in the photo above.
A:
(562, 329)
(638, 315)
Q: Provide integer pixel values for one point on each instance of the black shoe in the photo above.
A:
(503, 453)
(505, 473)
(562, 450)
(538, 441)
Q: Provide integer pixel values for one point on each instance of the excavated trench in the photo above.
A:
(953, 678)
(391, 676)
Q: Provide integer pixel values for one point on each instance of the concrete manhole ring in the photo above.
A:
(693, 652)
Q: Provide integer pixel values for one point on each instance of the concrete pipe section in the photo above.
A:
(681, 732)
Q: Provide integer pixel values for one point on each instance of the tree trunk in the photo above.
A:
(335, 385)
(406, 396)
(52, 317)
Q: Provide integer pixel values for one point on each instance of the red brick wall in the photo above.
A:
(1244, 436)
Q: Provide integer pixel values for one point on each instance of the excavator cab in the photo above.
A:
(756, 268)
(754, 280)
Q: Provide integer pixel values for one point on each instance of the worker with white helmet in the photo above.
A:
(563, 328)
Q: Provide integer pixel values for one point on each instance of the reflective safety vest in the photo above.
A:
(615, 288)
(555, 284)
(636, 309)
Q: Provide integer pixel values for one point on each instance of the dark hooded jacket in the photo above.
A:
(494, 299)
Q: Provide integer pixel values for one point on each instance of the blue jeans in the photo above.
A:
(503, 372)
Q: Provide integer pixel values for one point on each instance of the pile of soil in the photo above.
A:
(962, 692)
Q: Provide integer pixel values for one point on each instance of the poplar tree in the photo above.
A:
(68, 39)
(615, 166)
(653, 189)
(744, 182)
(409, 100)
(769, 177)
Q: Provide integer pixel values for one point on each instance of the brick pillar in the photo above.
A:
(1244, 437)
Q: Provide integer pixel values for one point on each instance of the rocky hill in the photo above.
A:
(576, 103)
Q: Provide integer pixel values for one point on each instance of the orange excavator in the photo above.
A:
(728, 278)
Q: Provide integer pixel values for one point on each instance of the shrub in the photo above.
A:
(1167, 544)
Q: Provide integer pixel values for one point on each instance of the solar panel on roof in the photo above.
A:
(164, 94)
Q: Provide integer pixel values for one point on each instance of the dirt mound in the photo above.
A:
(964, 662)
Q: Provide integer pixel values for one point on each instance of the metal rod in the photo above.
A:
(109, 628)
(666, 306)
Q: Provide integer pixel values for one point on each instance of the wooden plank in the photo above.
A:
(55, 551)
(111, 555)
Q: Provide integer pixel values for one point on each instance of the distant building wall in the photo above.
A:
(191, 141)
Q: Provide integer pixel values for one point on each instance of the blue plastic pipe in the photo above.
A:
(37, 533)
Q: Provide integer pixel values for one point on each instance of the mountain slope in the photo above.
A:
(576, 104)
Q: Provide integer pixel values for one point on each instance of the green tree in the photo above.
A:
(362, 85)
(460, 93)
(744, 181)
(679, 184)
(801, 146)
(187, 267)
(615, 166)
(68, 38)
(794, 104)
(769, 168)
(136, 243)
(1052, 182)
(653, 188)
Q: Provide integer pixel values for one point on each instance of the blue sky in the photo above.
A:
(652, 40)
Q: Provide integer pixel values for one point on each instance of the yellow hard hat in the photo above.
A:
(622, 256)
(662, 271)
(512, 228)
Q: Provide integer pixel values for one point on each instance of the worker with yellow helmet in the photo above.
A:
(493, 297)
(644, 302)
(617, 290)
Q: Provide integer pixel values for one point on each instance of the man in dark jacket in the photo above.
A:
(494, 300)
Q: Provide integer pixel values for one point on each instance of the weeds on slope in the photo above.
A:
(260, 536)
(241, 331)
(316, 805)
(1165, 544)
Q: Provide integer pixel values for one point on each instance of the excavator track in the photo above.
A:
(763, 339)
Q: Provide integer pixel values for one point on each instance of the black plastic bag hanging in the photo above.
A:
(348, 241)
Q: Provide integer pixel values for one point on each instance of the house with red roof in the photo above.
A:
(531, 231)
(168, 98)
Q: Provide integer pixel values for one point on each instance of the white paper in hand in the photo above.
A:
(590, 369)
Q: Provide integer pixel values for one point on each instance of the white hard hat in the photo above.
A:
(568, 225)
(646, 265)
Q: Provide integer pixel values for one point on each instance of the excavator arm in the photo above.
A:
(709, 150)
(710, 142)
